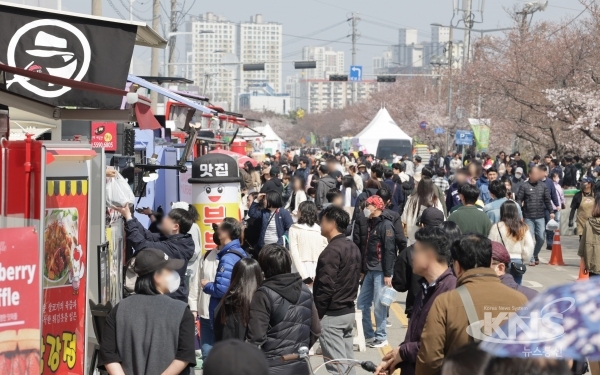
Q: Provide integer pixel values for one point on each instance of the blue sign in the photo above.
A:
(463, 137)
(355, 73)
(439, 131)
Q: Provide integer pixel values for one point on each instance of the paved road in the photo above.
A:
(539, 278)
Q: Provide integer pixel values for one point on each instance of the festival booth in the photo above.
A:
(382, 138)
(52, 206)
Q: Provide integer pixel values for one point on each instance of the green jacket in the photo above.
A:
(471, 219)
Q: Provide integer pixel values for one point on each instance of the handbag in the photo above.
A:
(516, 269)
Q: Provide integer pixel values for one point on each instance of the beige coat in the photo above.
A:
(589, 245)
(446, 326)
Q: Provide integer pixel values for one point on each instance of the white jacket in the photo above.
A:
(516, 249)
(300, 197)
(207, 269)
(306, 244)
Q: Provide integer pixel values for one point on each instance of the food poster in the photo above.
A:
(116, 249)
(20, 296)
(64, 276)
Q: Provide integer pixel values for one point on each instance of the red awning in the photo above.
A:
(86, 86)
(145, 117)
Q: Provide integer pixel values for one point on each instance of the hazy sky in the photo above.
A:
(379, 26)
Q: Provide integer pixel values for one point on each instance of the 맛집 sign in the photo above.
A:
(104, 135)
(20, 295)
(463, 138)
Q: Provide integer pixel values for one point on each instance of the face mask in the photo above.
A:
(367, 213)
(174, 281)
(518, 175)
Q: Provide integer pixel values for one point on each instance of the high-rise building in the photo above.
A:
(220, 47)
(440, 36)
(261, 41)
(328, 62)
(214, 37)
(320, 95)
(383, 63)
(406, 41)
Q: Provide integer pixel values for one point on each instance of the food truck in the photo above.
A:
(53, 242)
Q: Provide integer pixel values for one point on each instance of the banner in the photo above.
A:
(104, 135)
(69, 47)
(19, 301)
(64, 276)
(481, 131)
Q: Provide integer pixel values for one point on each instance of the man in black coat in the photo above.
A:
(336, 286)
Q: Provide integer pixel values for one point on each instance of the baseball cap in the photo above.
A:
(362, 165)
(519, 170)
(235, 357)
(587, 179)
(376, 201)
(151, 260)
(597, 169)
(499, 253)
(431, 216)
(266, 171)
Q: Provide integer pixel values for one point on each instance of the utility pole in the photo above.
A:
(154, 58)
(173, 38)
(450, 62)
(96, 7)
(354, 38)
(468, 19)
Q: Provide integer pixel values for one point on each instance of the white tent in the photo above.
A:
(381, 127)
(272, 142)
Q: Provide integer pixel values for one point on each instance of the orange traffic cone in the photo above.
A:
(556, 258)
(582, 276)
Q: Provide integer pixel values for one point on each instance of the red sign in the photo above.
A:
(19, 301)
(104, 135)
(64, 276)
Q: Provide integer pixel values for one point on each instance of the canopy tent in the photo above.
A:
(381, 127)
(271, 141)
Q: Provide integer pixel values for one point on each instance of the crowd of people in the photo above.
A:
(325, 234)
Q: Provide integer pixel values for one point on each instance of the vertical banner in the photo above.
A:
(64, 276)
(116, 250)
(481, 131)
(19, 301)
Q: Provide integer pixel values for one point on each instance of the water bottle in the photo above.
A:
(388, 296)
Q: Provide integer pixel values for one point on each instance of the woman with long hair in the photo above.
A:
(298, 196)
(349, 191)
(417, 203)
(306, 242)
(514, 234)
(233, 312)
(583, 204)
(276, 221)
(589, 245)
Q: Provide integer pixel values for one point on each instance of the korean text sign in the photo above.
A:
(64, 276)
(20, 295)
(104, 135)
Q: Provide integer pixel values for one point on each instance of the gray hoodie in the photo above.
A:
(325, 184)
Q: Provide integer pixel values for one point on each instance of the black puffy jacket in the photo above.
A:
(283, 318)
(380, 252)
(535, 198)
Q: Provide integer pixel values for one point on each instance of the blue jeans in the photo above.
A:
(370, 293)
(537, 227)
(207, 337)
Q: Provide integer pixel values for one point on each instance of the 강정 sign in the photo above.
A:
(69, 47)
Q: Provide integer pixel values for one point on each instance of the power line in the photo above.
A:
(367, 15)
(115, 9)
(290, 54)
(333, 41)
(570, 22)
(315, 33)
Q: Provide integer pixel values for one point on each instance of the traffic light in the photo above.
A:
(129, 143)
(386, 79)
(305, 64)
(253, 67)
(338, 77)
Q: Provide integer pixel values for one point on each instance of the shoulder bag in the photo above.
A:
(516, 269)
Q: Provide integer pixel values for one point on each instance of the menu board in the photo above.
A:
(64, 276)
(20, 295)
